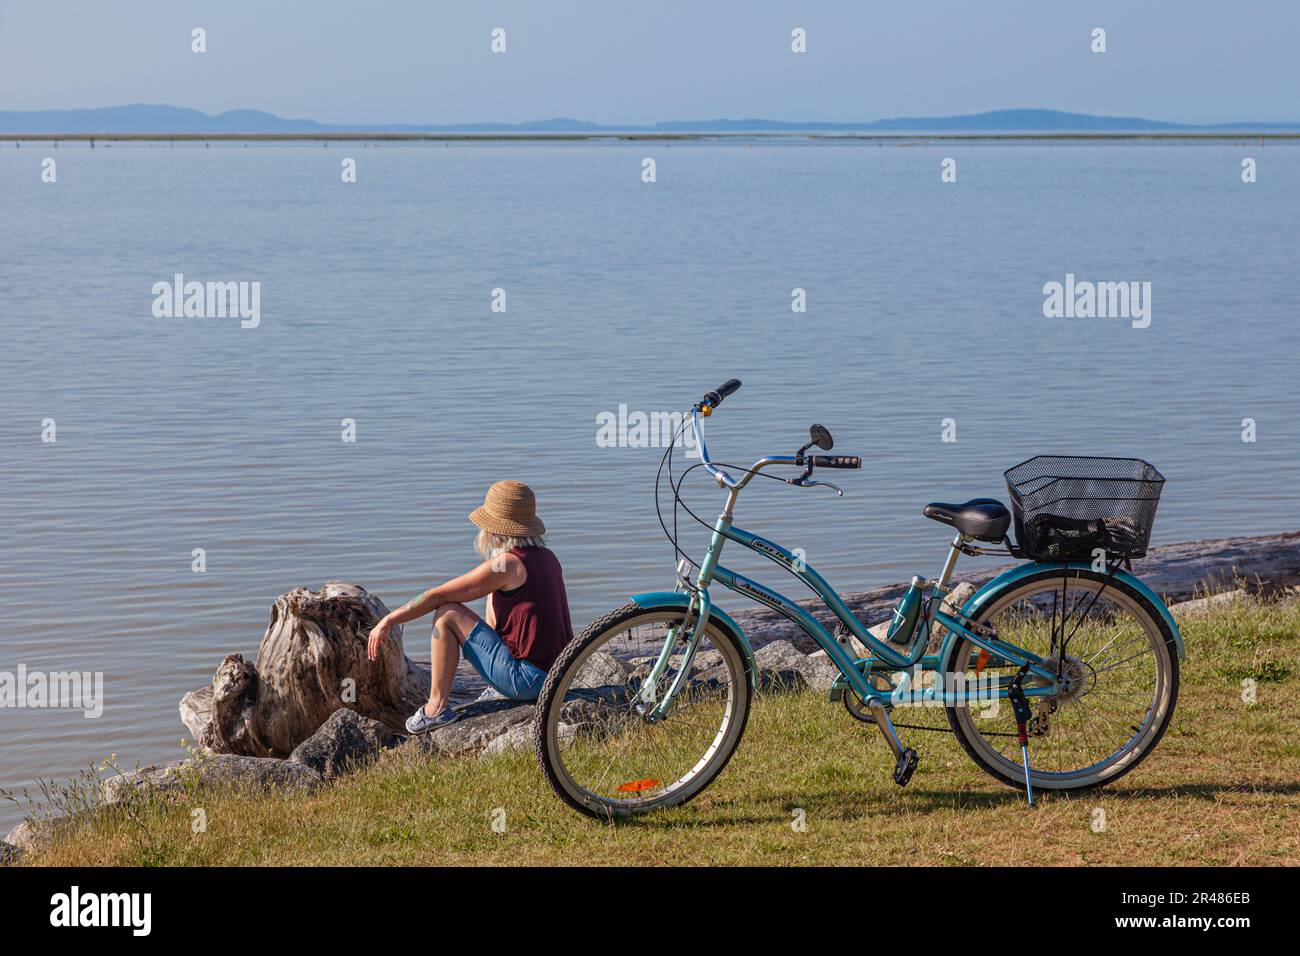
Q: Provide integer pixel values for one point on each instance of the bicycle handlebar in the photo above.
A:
(713, 399)
(835, 461)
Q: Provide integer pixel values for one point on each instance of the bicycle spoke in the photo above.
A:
(1111, 643)
(1101, 670)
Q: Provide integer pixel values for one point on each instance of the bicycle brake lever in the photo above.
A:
(835, 488)
(807, 481)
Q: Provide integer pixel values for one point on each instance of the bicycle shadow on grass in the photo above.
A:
(827, 804)
(937, 800)
(1201, 791)
(849, 808)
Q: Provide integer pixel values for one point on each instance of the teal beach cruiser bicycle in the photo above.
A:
(1060, 674)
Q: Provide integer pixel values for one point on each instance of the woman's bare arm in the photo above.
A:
(491, 575)
(505, 571)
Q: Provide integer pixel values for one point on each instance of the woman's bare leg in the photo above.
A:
(451, 625)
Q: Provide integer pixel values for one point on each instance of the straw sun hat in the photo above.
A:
(510, 510)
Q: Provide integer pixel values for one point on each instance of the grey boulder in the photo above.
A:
(248, 773)
(818, 673)
(518, 737)
(29, 836)
(345, 740)
(602, 669)
(480, 723)
(1201, 605)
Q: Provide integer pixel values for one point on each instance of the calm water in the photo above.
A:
(924, 303)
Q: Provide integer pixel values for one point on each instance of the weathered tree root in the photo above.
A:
(312, 660)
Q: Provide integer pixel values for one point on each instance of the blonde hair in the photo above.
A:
(489, 544)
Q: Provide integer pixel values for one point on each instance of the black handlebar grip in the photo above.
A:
(714, 398)
(835, 461)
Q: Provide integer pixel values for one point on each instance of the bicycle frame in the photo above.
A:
(856, 672)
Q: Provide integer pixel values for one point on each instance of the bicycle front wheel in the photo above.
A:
(1119, 670)
(603, 749)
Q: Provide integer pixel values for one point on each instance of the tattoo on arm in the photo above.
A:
(409, 606)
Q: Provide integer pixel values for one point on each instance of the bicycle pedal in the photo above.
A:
(906, 766)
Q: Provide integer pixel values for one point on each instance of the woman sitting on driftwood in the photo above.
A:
(527, 621)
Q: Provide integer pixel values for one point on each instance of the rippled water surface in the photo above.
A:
(924, 303)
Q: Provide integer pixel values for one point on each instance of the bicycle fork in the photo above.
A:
(905, 758)
(657, 709)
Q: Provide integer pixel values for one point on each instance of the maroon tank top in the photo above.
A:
(533, 619)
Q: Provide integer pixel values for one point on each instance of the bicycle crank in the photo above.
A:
(905, 758)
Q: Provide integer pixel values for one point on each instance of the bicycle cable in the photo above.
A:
(676, 486)
(668, 460)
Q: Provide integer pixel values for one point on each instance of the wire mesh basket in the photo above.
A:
(1067, 506)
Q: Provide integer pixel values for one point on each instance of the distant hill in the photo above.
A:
(1026, 120)
(149, 118)
(143, 118)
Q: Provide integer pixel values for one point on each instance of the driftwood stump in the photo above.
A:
(312, 661)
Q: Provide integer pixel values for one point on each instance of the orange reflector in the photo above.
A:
(636, 786)
(981, 662)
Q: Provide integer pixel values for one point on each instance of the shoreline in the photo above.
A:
(717, 137)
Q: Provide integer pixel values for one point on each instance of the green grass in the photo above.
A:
(1223, 788)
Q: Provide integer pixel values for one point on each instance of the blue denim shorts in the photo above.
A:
(516, 679)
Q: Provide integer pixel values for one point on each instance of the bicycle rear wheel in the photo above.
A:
(1122, 666)
(600, 750)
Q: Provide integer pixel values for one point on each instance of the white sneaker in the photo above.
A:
(422, 723)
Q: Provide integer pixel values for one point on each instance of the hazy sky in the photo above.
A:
(614, 61)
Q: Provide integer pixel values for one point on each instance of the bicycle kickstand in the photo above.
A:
(905, 758)
(1020, 707)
